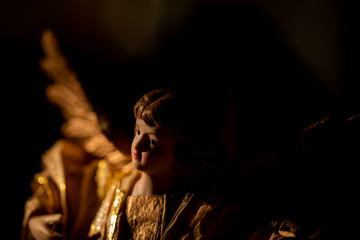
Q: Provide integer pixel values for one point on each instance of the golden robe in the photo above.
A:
(96, 204)
(165, 216)
(72, 182)
(182, 216)
(65, 185)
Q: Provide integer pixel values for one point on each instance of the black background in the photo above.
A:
(269, 79)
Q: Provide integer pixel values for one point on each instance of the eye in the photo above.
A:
(153, 143)
(136, 130)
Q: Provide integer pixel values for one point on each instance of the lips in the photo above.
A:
(137, 156)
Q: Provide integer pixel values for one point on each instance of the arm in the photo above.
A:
(48, 193)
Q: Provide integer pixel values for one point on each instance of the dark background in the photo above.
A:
(273, 67)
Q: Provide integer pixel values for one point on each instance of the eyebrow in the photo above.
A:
(152, 133)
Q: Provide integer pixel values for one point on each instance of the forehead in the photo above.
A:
(141, 124)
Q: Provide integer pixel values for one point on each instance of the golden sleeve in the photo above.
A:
(48, 188)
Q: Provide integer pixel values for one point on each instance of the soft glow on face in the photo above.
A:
(152, 150)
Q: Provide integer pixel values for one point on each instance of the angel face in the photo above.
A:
(152, 150)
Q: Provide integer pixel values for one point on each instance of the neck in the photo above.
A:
(152, 184)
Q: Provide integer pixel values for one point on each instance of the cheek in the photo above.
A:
(159, 157)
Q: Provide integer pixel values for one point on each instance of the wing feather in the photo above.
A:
(66, 92)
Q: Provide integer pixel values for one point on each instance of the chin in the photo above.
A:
(137, 164)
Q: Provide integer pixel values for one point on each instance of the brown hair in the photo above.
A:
(152, 105)
(200, 156)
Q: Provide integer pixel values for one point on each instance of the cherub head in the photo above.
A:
(172, 137)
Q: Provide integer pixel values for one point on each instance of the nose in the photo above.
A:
(140, 143)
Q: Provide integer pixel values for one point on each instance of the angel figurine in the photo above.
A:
(89, 188)
(174, 183)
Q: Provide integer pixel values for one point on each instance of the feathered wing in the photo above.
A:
(66, 92)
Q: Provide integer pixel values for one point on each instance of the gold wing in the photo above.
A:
(66, 92)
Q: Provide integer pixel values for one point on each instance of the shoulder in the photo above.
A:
(285, 229)
(220, 218)
(223, 218)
